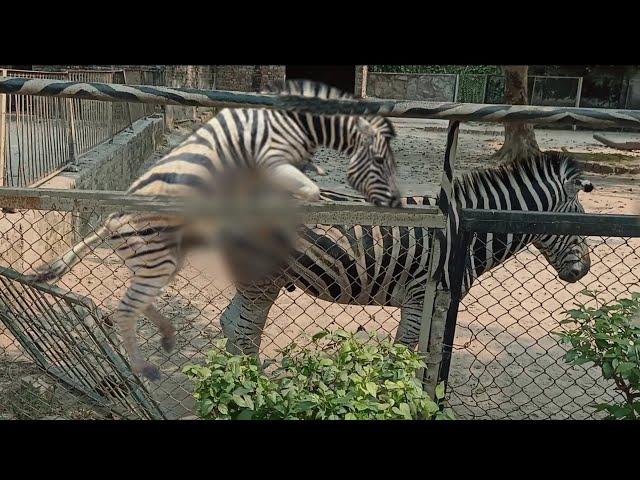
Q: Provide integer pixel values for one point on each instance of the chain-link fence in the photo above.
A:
(507, 362)
(61, 357)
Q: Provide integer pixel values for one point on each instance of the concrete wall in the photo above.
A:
(242, 78)
(247, 78)
(411, 86)
(114, 165)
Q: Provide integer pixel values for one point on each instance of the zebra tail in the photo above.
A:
(64, 264)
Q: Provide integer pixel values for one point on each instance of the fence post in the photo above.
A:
(71, 129)
(124, 81)
(486, 88)
(578, 98)
(437, 299)
(459, 256)
(457, 86)
(3, 131)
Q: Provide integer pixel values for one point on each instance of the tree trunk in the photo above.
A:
(519, 137)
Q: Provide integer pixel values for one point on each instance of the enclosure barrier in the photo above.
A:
(40, 136)
(193, 309)
(501, 358)
(65, 330)
(221, 98)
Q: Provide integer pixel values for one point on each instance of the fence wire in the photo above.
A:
(82, 375)
(60, 356)
(507, 363)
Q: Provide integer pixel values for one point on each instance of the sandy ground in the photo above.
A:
(506, 363)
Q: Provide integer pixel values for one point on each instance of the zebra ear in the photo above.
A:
(366, 130)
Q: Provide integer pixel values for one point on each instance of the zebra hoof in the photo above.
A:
(168, 343)
(151, 373)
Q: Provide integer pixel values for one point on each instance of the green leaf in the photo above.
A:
(246, 414)
(304, 406)
(372, 389)
(206, 406)
(440, 391)
(320, 335)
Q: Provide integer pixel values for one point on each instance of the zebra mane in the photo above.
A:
(561, 164)
(306, 88)
(313, 89)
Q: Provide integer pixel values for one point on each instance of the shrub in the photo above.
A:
(338, 376)
(609, 337)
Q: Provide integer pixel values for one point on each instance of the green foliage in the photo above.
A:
(338, 376)
(609, 337)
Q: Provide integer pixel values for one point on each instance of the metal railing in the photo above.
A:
(39, 136)
(502, 355)
(66, 330)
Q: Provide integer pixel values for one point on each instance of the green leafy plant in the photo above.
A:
(609, 337)
(338, 376)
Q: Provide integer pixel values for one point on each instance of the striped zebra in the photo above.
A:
(280, 144)
(388, 266)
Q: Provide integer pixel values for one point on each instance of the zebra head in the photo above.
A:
(367, 141)
(372, 166)
(568, 254)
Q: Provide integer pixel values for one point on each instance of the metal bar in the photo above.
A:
(72, 139)
(436, 298)
(551, 223)
(460, 249)
(455, 91)
(3, 131)
(321, 213)
(389, 108)
(128, 105)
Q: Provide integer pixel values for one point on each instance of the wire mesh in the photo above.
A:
(507, 363)
(193, 303)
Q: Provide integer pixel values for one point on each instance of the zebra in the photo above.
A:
(279, 143)
(388, 266)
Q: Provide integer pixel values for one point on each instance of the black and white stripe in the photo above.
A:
(280, 144)
(377, 265)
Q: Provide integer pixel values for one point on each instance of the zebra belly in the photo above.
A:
(360, 265)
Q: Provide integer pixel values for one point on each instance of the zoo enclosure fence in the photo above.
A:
(60, 356)
(108, 388)
(39, 136)
(502, 355)
(59, 353)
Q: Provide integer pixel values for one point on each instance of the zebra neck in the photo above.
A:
(490, 190)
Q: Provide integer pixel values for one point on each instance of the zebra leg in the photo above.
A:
(244, 319)
(145, 287)
(409, 329)
(292, 180)
(167, 331)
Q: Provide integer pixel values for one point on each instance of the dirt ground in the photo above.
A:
(506, 363)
